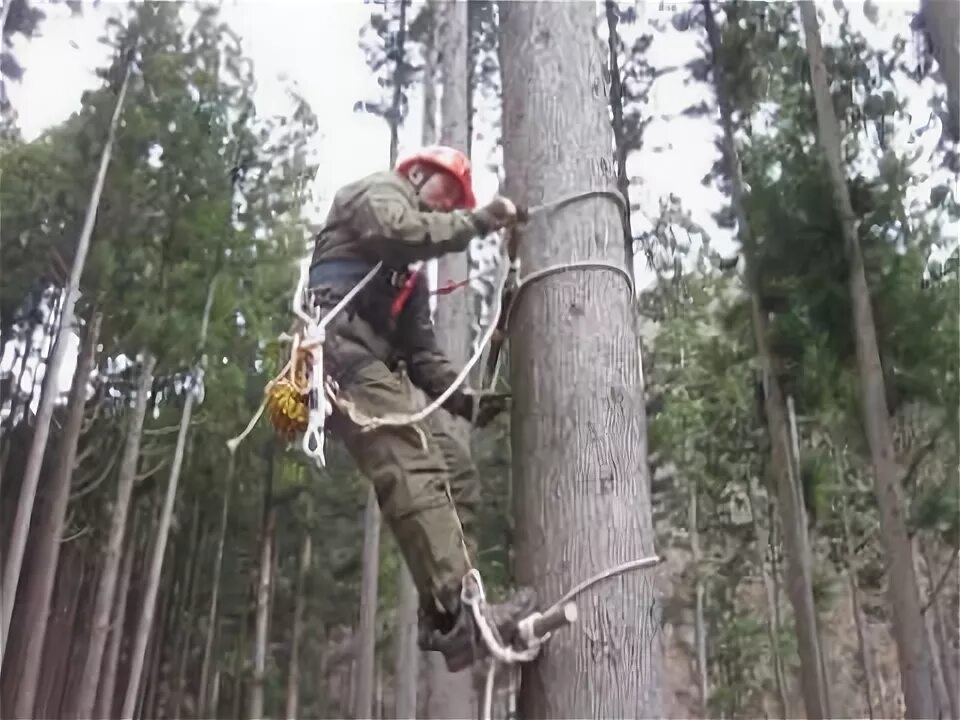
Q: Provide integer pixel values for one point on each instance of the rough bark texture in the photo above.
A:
(449, 695)
(293, 677)
(916, 674)
(942, 21)
(799, 576)
(31, 475)
(367, 631)
(41, 590)
(203, 692)
(581, 482)
(111, 561)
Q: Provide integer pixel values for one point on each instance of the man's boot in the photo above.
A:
(454, 633)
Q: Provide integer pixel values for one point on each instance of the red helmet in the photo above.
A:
(448, 159)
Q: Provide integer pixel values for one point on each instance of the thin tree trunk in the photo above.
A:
(153, 580)
(105, 694)
(773, 615)
(449, 695)
(799, 576)
(31, 475)
(579, 424)
(367, 631)
(916, 674)
(407, 653)
(263, 601)
(940, 640)
(865, 652)
(700, 625)
(185, 621)
(212, 616)
(49, 551)
(293, 677)
(100, 623)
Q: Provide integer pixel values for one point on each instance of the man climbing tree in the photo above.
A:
(422, 209)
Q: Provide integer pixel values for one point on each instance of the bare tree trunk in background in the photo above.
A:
(926, 580)
(153, 580)
(100, 623)
(293, 678)
(108, 681)
(212, 616)
(449, 694)
(942, 22)
(908, 627)
(185, 618)
(255, 711)
(367, 630)
(407, 652)
(41, 589)
(773, 616)
(31, 475)
(579, 419)
(799, 575)
(941, 641)
(700, 624)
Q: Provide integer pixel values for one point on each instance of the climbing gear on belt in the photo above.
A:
(448, 159)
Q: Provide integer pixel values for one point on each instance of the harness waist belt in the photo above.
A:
(337, 272)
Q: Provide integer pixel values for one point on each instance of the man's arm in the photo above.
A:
(427, 366)
(400, 233)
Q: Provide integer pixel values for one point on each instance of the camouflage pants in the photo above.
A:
(415, 487)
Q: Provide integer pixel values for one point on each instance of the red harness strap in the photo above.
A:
(411, 282)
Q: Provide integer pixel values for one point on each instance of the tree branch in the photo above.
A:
(93, 485)
(160, 465)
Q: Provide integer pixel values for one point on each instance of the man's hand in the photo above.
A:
(487, 406)
(499, 213)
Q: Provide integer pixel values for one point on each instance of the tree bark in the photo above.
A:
(367, 630)
(51, 378)
(41, 590)
(255, 711)
(108, 681)
(700, 625)
(799, 575)
(185, 618)
(940, 639)
(579, 422)
(211, 634)
(293, 677)
(916, 674)
(153, 581)
(100, 624)
(942, 22)
(449, 695)
(406, 669)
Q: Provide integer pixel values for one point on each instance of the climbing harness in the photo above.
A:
(534, 630)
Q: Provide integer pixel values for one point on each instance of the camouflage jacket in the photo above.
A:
(379, 218)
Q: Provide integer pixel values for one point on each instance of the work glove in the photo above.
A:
(487, 406)
(499, 213)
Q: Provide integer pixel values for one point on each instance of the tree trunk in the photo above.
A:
(367, 631)
(150, 596)
(942, 22)
(579, 422)
(293, 678)
(940, 640)
(449, 695)
(255, 711)
(202, 692)
(51, 378)
(185, 618)
(915, 666)
(406, 670)
(105, 694)
(700, 625)
(41, 590)
(799, 575)
(100, 623)
(773, 615)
